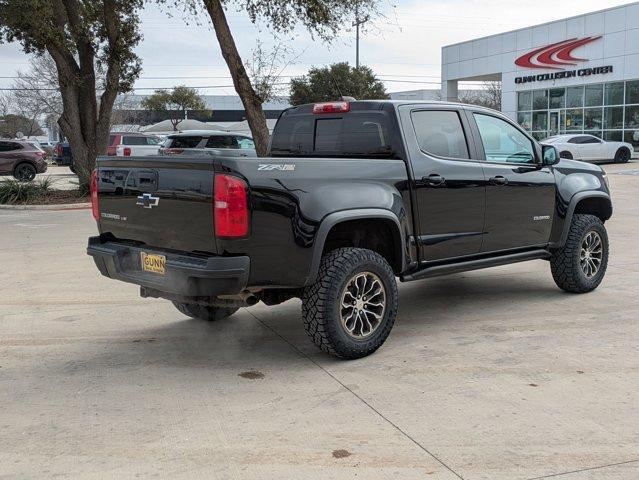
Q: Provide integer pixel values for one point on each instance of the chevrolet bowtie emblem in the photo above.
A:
(146, 200)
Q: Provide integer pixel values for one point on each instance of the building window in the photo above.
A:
(616, 136)
(524, 101)
(574, 120)
(594, 95)
(540, 99)
(632, 136)
(540, 121)
(606, 110)
(593, 118)
(632, 92)
(613, 118)
(525, 120)
(613, 93)
(557, 98)
(632, 117)
(574, 97)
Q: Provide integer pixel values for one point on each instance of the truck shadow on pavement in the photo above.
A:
(275, 335)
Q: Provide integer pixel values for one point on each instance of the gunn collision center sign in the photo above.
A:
(558, 56)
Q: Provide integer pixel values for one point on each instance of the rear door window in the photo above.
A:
(440, 133)
(9, 146)
(183, 142)
(222, 141)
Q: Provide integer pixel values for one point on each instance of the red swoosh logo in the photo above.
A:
(554, 56)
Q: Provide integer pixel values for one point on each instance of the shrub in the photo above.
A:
(13, 191)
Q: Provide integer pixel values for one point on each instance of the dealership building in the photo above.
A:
(579, 74)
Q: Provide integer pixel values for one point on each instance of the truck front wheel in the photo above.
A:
(580, 265)
(350, 309)
(204, 312)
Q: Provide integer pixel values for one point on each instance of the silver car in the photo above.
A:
(208, 142)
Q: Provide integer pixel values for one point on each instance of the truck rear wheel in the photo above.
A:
(204, 312)
(580, 265)
(351, 308)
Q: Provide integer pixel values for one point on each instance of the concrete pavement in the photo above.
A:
(493, 374)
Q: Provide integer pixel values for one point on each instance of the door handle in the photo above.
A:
(434, 180)
(498, 180)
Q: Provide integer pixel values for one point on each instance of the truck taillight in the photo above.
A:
(331, 107)
(230, 206)
(95, 209)
(127, 152)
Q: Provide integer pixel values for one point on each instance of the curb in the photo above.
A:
(61, 206)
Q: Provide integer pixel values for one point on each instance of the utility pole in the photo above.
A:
(356, 24)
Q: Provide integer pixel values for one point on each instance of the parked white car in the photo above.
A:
(137, 145)
(590, 148)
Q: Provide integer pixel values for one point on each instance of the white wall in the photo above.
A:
(496, 54)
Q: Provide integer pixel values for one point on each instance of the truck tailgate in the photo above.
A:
(159, 201)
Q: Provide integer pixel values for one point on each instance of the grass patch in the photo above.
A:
(38, 192)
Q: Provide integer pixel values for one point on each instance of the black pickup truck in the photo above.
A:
(351, 196)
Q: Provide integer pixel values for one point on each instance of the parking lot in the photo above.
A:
(493, 374)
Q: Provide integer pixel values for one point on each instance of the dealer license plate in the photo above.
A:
(153, 263)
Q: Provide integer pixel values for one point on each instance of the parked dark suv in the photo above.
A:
(21, 159)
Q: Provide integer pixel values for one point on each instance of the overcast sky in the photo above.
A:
(403, 47)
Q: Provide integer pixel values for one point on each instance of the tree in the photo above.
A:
(11, 125)
(91, 43)
(265, 68)
(330, 83)
(323, 18)
(488, 96)
(36, 89)
(174, 104)
(33, 96)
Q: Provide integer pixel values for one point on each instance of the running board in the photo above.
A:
(476, 264)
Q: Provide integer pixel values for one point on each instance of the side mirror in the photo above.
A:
(550, 155)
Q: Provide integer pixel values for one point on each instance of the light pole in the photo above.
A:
(356, 24)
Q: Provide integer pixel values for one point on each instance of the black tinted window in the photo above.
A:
(183, 142)
(583, 139)
(111, 139)
(222, 141)
(440, 133)
(133, 140)
(354, 134)
(9, 146)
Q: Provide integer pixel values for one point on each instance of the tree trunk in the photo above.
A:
(84, 121)
(241, 81)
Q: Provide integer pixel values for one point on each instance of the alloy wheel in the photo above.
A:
(25, 173)
(591, 254)
(363, 305)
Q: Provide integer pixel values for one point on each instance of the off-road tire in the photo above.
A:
(321, 302)
(203, 312)
(622, 155)
(565, 261)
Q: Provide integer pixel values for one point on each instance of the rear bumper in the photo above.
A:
(186, 275)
